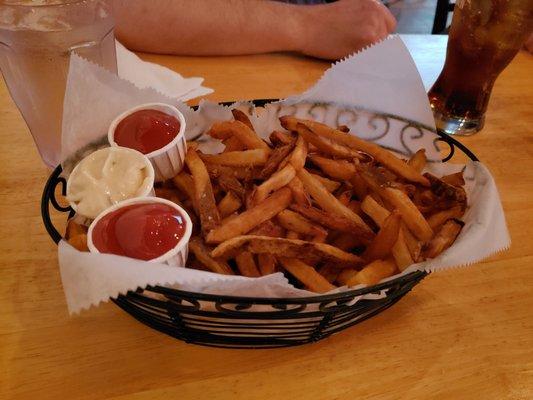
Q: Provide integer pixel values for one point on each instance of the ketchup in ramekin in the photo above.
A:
(149, 229)
(156, 130)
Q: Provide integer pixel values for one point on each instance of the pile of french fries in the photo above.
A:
(318, 203)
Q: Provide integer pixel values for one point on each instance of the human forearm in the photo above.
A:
(208, 27)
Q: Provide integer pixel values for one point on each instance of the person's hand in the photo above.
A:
(338, 29)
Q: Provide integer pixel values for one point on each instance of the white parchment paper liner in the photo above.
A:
(382, 78)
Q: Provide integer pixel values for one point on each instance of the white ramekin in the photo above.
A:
(176, 257)
(146, 190)
(168, 160)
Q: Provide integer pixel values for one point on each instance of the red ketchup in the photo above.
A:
(146, 130)
(142, 231)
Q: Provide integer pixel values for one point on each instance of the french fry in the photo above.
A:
(252, 217)
(242, 117)
(298, 192)
(384, 241)
(345, 275)
(327, 201)
(299, 154)
(325, 145)
(348, 241)
(359, 186)
(274, 160)
(456, 179)
(444, 238)
(248, 158)
(231, 184)
(439, 218)
(203, 191)
(373, 273)
(344, 197)
(278, 138)
(355, 206)
(167, 193)
(343, 128)
(293, 221)
(74, 229)
(400, 250)
(78, 241)
(268, 228)
(307, 275)
(445, 190)
(282, 247)
(418, 160)
(329, 184)
(385, 157)
(246, 265)
(276, 181)
(266, 263)
(292, 235)
(202, 254)
(245, 173)
(233, 144)
(226, 129)
(414, 220)
(335, 222)
(229, 204)
(336, 169)
(329, 272)
(183, 181)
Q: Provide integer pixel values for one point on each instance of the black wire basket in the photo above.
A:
(247, 322)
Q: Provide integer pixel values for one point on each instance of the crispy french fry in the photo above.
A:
(414, 220)
(203, 191)
(325, 145)
(274, 160)
(327, 201)
(298, 192)
(231, 184)
(281, 247)
(167, 193)
(299, 154)
(292, 235)
(268, 228)
(226, 129)
(229, 204)
(444, 238)
(183, 181)
(348, 241)
(439, 218)
(335, 222)
(249, 158)
(373, 273)
(276, 181)
(252, 217)
(344, 197)
(444, 190)
(418, 160)
(336, 169)
(355, 206)
(400, 252)
(202, 254)
(244, 172)
(359, 186)
(345, 275)
(456, 179)
(343, 128)
(266, 263)
(329, 184)
(329, 272)
(278, 138)
(242, 117)
(385, 157)
(293, 221)
(232, 144)
(307, 275)
(78, 241)
(384, 241)
(246, 265)
(74, 229)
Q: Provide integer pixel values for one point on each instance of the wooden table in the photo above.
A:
(462, 334)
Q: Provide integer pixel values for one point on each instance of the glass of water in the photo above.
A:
(36, 40)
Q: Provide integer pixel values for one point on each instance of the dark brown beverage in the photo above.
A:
(485, 36)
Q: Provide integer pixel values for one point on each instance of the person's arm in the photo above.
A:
(231, 27)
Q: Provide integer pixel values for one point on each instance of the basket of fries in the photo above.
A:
(314, 202)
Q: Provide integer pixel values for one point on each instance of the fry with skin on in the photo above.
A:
(276, 181)
(79, 241)
(226, 129)
(252, 217)
(329, 184)
(299, 154)
(298, 192)
(282, 247)
(183, 181)
(266, 263)
(230, 183)
(246, 265)
(274, 160)
(242, 117)
(203, 191)
(439, 218)
(373, 273)
(293, 235)
(456, 179)
(74, 229)
(359, 186)
(268, 228)
(325, 145)
(327, 201)
(418, 160)
(232, 144)
(293, 221)
(307, 275)
(248, 158)
(202, 254)
(346, 275)
(344, 197)
(384, 241)
(336, 169)
(278, 138)
(444, 238)
(329, 272)
(229, 204)
(414, 220)
(385, 157)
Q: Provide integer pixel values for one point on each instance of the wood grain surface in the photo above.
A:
(461, 334)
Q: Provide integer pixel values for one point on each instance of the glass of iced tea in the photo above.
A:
(36, 40)
(485, 36)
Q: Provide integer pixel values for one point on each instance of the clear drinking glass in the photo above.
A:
(36, 40)
(484, 37)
